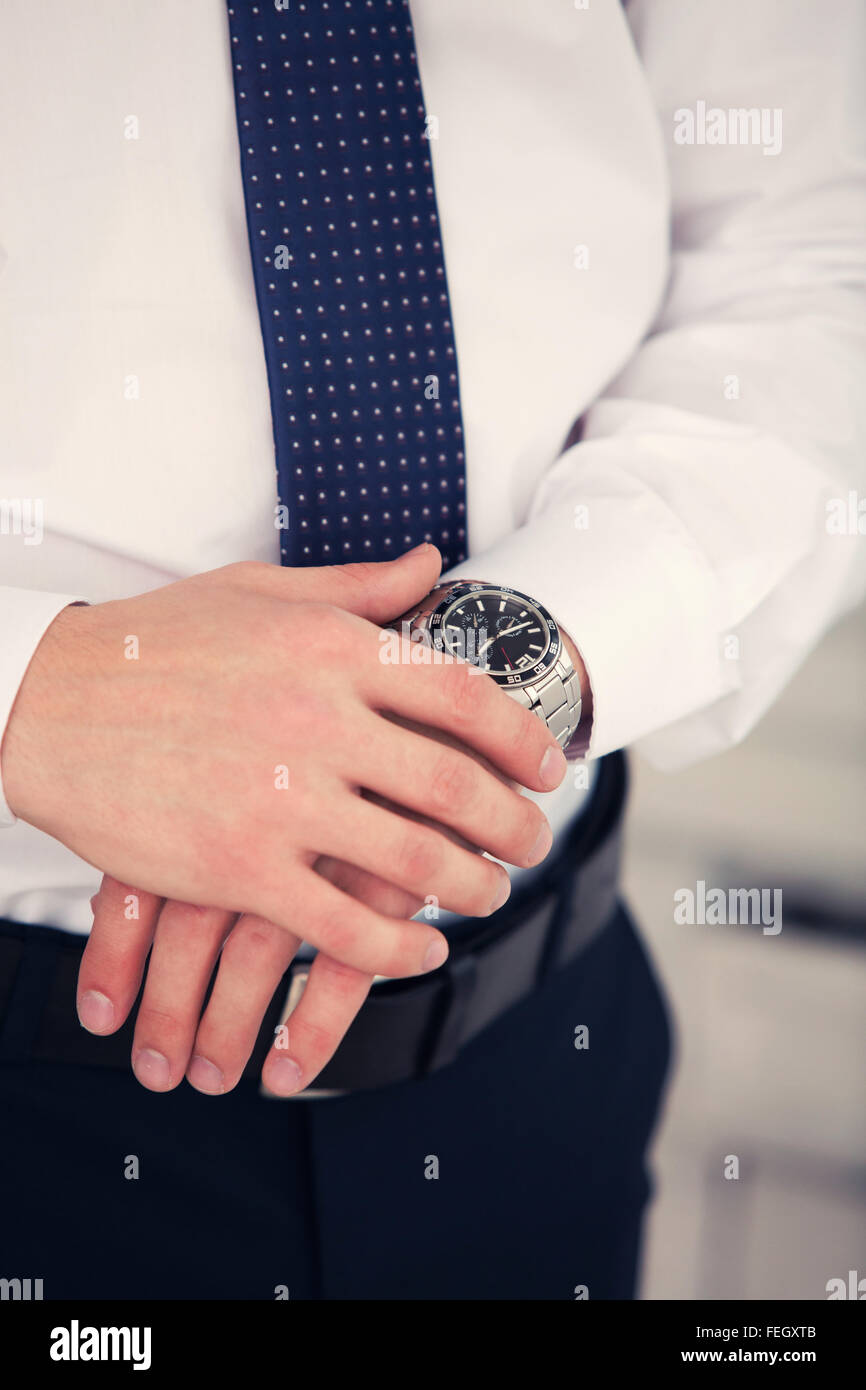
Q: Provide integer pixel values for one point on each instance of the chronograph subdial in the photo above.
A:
(507, 636)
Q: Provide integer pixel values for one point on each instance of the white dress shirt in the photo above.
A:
(699, 305)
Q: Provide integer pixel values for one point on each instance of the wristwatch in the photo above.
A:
(512, 638)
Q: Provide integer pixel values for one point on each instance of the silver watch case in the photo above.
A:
(550, 688)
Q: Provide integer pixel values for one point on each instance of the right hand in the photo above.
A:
(161, 771)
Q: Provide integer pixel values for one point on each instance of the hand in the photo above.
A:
(161, 772)
(317, 1028)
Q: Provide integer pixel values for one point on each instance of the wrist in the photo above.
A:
(52, 682)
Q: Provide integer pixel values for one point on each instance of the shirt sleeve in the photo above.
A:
(705, 530)
(25, 616)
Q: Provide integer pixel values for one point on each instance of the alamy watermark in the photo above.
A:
(22, 516)
(415, 647)
(713, 125)
(719, 907)
(846, 516)
(21, 1290)
(77, 1343)
(853, 1287)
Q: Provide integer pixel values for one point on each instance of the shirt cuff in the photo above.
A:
(625, 580)
(25, 616)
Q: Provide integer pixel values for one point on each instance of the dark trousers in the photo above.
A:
(517, 1172)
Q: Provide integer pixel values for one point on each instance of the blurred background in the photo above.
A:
(770, 1029)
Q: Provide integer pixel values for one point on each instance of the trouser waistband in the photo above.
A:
(406, 1029)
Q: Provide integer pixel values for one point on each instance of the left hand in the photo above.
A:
(323, 1015)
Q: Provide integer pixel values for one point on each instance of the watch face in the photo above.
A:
(513, 638)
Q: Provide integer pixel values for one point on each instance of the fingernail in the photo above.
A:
(151, 1068)
(542, 844)
(204, 1076)
(425, 545)
(503, 893)
(554, 766)
(284, 1076)
(437, 954)
(95, 1011)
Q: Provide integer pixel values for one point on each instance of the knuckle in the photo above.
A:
(155, 1025)
(195, 912)
(249, 948)
(259, 940)
(389, 900)
(311, 1038)
(533, 822)
(464, 691)
(421, 856)
(191, 922)
(113, 895)
(339, 930)
(453, 783)
(342, 981)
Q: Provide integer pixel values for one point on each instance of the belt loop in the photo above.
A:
(460, 977)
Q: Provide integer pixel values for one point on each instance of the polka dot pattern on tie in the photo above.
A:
(350, 279)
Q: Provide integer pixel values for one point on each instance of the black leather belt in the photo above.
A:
(406, 1028)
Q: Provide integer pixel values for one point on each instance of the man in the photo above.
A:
(223, 236)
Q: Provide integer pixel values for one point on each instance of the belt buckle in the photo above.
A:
(297, 985)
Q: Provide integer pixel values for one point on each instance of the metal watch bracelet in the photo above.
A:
(556, 698)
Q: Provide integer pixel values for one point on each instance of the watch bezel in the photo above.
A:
(530, 675)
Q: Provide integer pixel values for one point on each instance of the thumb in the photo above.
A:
(378, 591)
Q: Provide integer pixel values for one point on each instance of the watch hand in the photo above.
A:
(507, 632)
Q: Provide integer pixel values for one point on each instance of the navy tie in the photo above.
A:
(350, 280)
